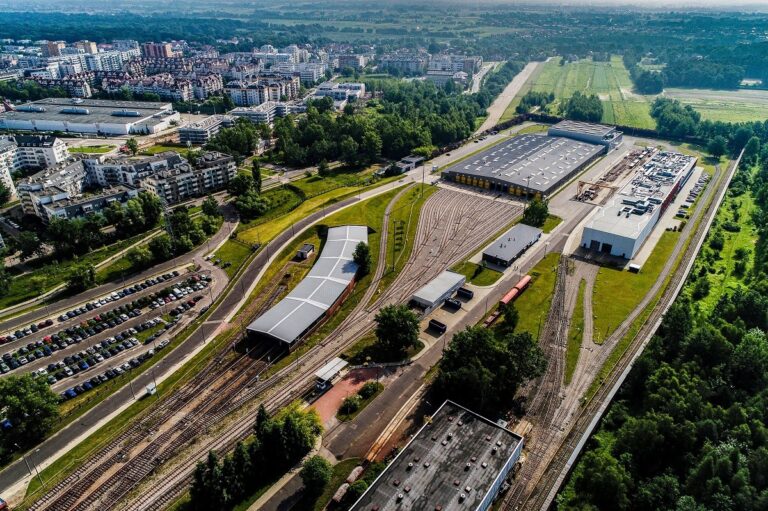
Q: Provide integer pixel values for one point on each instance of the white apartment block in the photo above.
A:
(212, 172)
(22, 152)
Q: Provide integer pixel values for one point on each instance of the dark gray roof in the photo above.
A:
(439, 454)
(513, 242)
(538, 162)
(320, 289)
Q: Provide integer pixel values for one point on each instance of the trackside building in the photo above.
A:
(511, 245)
(437, 291)
(621, 227)
(319, 294)
(458, 460)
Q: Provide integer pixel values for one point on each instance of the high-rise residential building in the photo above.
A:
(87, 46)
(157, 50)
(52, 48)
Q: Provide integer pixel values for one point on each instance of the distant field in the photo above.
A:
(608, 80)
(724, 105)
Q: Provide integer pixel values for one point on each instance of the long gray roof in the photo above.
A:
(513, 242)
(320, 289)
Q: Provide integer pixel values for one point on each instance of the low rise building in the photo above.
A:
(267, 112)
(598, 134)
(201, 132)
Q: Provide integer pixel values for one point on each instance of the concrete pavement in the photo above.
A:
(499, 105)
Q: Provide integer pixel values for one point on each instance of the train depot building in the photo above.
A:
(437, 291)
(527, 165)
(511, 245)
(598, 134)
(458, 460)
(621, 226)
(318, 295)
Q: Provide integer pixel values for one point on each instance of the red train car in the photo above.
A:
(515, 291)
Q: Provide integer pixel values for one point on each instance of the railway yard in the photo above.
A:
(148, 463)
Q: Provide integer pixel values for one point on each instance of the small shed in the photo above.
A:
(511, 245)
(442, 287)
(306, 250)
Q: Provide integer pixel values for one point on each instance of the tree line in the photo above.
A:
(277, 444)
(688, 428)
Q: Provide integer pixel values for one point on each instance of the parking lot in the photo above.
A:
(65, 359)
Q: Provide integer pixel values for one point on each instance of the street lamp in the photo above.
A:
(37, 471)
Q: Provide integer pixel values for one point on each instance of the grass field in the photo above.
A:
(161, 148)
(724, 105)
(92, 149)
(232, 252)
(575, 334)
(477, 274)
(608, 80)
(550, 223)
(617, 292)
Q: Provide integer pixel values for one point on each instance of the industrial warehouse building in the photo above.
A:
(531, 165)
(458, 460)
(511, 245)
(621, 227)
(434, 294)
(324, 287)
(598, 134)
(93, 116)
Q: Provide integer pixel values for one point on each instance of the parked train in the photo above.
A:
(508, 298)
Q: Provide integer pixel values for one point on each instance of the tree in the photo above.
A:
(362, 257)
(603, 481)
(483, 371)
(322, 168)
(256, 173)
(397, 329)
(752, 149)
(717, 146)
(83, 276)
(511, 318)
(132, 145)
(5, 194)
(240, 185)
(315, 474)
(140, 257)
(161, 247)
(210, 207)
(29, 245)
(349, 150)
(5, 278)
(251, 205)
(30, 407)
(536, 213)
(583, 107)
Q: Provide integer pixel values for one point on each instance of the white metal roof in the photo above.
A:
(331, 369)
(437, 287)
(320, 289)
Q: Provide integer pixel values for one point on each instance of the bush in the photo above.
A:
(350, 405)
(369, 389)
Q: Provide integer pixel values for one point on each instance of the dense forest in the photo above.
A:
(688, 429)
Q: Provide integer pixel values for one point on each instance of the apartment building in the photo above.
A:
(211, 172)
(157, 50)
(164, 85)
(107, 172)
(75, 85)
(201, 132)
(264, 88)
(25, 152)
(8, 164)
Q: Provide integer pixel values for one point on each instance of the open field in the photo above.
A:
(92, 149)
(477, 274)
(724, 105)
(575, 334)
(617, 292)
(610, 81)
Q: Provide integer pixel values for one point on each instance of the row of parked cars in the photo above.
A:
(89, 357)
(34, 327)
(116, 295)
(87, 328)
(111, 373)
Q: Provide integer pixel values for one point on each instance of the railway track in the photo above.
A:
(458, 222)
(560, 437)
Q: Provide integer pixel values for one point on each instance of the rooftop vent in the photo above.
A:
(75, 111)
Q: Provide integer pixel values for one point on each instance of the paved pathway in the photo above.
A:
(499, 105)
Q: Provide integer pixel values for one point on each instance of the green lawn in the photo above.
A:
(477, 274)
(533, 305)
(161, 148)
(617, 292)
(575, 334)
(316, 185)
(92, 149)
(551, 222)
(724, 105)
(403, 223)
(232, 252)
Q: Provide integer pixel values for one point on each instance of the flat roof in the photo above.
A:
(631, 208)
(100, 111)
(431, 470)
(331, 369)
(537, 162)
(510, 244)
(438, 286)
(588, 128)
(333, 271)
